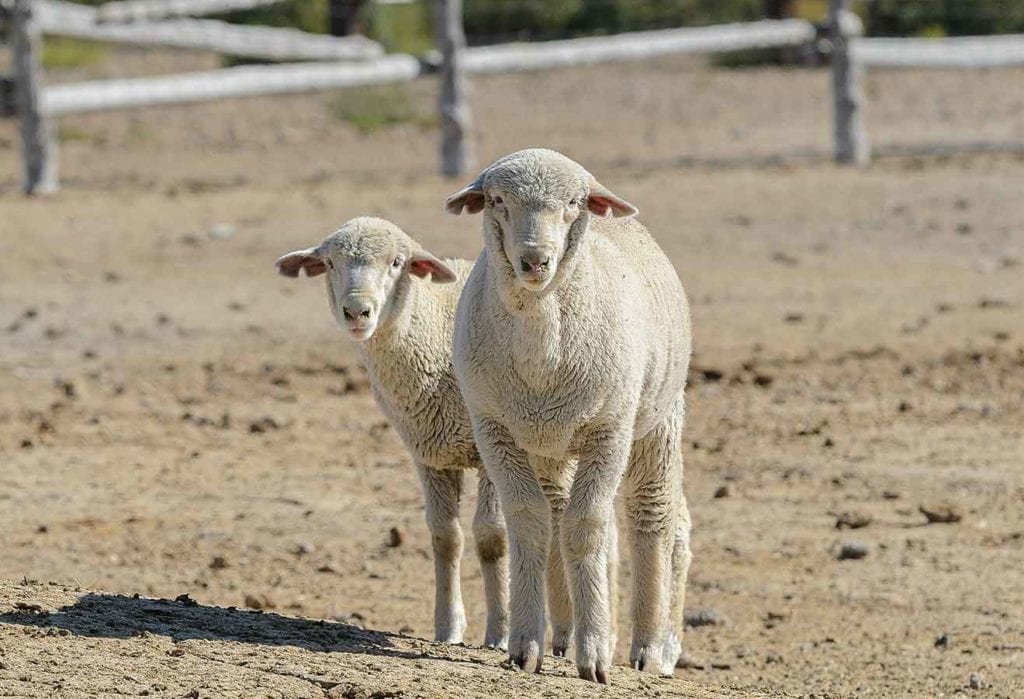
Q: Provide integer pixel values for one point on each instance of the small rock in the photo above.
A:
(940, 513)
(687, 661)
(794, 317)
(186, 600)
(852, 551)
(264, 424)
(259, 601)
(303, 549)
(26, 443)
(772, 657)
(890, 495)
(327, 568)
(722, 492)
(904, 407)
(853, 520)
(942, 641)
(221, 231)
(42, 529)
(704, 616)
(396, 537)
(406, 629)
(976, 681)
(218, 563)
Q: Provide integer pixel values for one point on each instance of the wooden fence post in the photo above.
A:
(38, 140)
(456, 119)
(851, 141)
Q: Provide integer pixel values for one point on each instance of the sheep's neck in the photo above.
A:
(387, 341)
(540, 337)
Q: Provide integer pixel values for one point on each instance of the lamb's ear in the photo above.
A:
(603, 201)
(423, 264)
(310, 260)
(470, 198)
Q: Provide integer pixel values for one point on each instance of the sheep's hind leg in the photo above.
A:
(681, 558)
(527, 517)
(442, 491)
(492, 550)
(653, 503)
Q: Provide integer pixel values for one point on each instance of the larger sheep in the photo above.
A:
(378, 291)
(573, 340)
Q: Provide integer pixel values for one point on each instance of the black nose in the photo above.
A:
(352, 316)
(534, 262)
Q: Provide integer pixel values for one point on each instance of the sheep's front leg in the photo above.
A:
(555, 477)
(586, 537)
(492, 550)
(654, 491)
(442, 491)
(528, 520)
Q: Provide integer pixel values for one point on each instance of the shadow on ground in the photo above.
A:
(183, 619)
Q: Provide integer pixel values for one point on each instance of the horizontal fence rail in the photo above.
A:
(242, 81)
(253, 80)
(271, 43)
(954, 52)
(635, 46)
(149, 10)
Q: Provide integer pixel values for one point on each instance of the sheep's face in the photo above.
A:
(537, 205)
(367, 262)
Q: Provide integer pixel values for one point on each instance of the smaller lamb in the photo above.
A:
(377, 288)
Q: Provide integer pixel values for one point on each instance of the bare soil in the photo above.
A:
(175, 419)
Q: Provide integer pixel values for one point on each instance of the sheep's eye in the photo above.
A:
(574, 202)
(330, 263)
(397, 262)
(497, 201)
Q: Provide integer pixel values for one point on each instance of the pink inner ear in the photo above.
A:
(421, 268)
(599, 206)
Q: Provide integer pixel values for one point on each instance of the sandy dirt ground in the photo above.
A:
(177, 420)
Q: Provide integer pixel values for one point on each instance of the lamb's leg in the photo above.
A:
(613, 586)
(492, 550)
(555, 477)
(652, 503)
(442, 491)
(586, 536)
(527, 517)
(681, 558)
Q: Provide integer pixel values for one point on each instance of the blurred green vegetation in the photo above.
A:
(943, 17)
(63, 52)
(378, 106)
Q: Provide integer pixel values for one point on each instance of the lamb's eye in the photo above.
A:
(497, 201)
(574, 203)
(397, 262)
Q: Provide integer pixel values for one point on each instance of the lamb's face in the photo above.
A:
(536, 203)
(367, 262)
(364, 271)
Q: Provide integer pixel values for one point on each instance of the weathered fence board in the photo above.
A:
(954, 52)
(149, 10)
(636, 46)
(242, 81)
(278, 44)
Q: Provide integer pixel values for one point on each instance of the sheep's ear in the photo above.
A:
(470, 198)
(603, 201)
(310, 260)
(423, 264)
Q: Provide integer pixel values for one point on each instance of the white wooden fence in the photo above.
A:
(142, 21)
